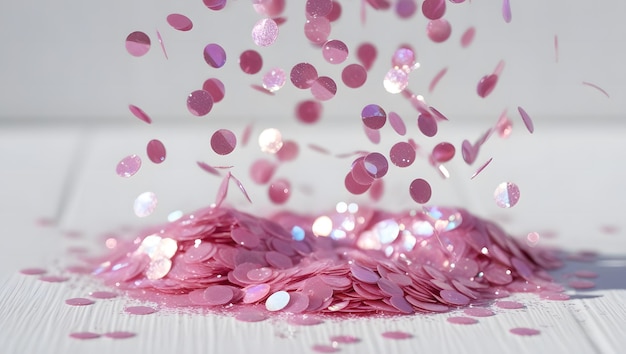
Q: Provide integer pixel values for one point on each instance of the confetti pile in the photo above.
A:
(357, 258)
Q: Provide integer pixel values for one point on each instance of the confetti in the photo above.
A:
(335, 51)
(354, 76)
(223, 141)
(137, 44)
(250, 62)
(180, 22)
(265, 32)
(145, 204)
(128, 166)
(438, 30)
(156, 151)
(214, 55)
(597, 88)
(506, 195)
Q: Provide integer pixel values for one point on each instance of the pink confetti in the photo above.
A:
(526, 119)
(427, 125)
(335, 12)
(597, 88)
(303, 75)
(250, 62)
(84, 335)
(506, 11)
(509, 305)
(137, 112)
(354, 75)
(245, 135)
(397, 123)
(161, 44)
(206, 167)
(53, 279)
(261, 171)
(438, 30)
(79, 301)
(214, 55)
(265, 32)
(223, 141)
(486, 85)
(521, 331)
(33, 271)
(373, 116)
(317, 30)
(324, 88)
(179, 22)
(215, 5)
(468, 37)
(443, 152)
(199, 103)
(119, 335)
(279, 191)
(137, 44)
(402, 154)
(103, 294)
(462, 320)
(433, 9)
(436, 79)
(156, 151)
(581, 284)
(367, 53)
(128, 166)
(309, 111)
(406, 8)
(324, 348)
(335, 51)
(556, 48)
(398, 335)
(481, 168)
(288, 152)
(215, 88)
(420, 191)
(140, 310)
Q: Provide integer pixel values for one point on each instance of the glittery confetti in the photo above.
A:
(402, 154)
(274, 80)
(420, 191)
(396, 80)
(317, 29)
(373, 116)
(128, 166)
(265, 32)
(506, 195)
(324, 88)
(137, 44)
(199, 103)
(335, 51)
(303, 75)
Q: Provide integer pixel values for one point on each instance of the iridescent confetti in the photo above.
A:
(137, 44)
(274, 80)
(214, 55)
(265, 32)
(324, 88)
(128, 166)
(317, 29)
(420, 191)
(397, 335)
(223, 141)
(303, 75)
(396, 80)
(373, 116)
(277, 301)
(270, 140)
(506, 195)
(506, 11)
(215, 88)
(402, 154)
(145, 204)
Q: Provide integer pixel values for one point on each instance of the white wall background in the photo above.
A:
(65, 60)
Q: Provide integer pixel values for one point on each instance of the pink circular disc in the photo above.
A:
(79, 301)
(376, 164)
(317, 8)
(140, 310)
(139, 113)
(265, 32)
(324, 88)
(288, 152)
(396, 80)
(223, 142)
(215, 5)
(406, 8)
(335, 51)
(402, 154)
(84, 335)
(335, 12)
(433, 9)
(156, 151)
(366, 53)
(261, 171)
(250, 62)
(270, 8)
(128, 166)
(397, 123)
(403, 58)
(468, 37)
(199, 103)
(521, 331)
(438, 30)
(526, 119)
(354, 75)
(462, 320)
(309, 111)
(397, 335)
(215, 88)
(119, 335)
(443, 152)
(216, 295)
(303, 75)
(274, 80)
(427, 125)
(279, 191)
(420, 191)
(317, 29)
(137, 44)
(180, 22)
(373, 116)
(103, 294)
(486, 85)
(353, 186)
(506, 195)
(214, 55)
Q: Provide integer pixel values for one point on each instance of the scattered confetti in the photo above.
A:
(215, 88)
(433, 9)
(373, 116)
(140, 310)
(79, 301)
(214, 55)
(335, 51)
(33, 271)
(84, 335)
(156, 151)
(303, 75)
(486, 85)
(354, 76)
(526, 119)
(597, 88)
(462, 320)
(119, 335)
(438, 30)
(420, 191)
(250, 62)
(128, 166)
(279, 191)
(137, 44)
(468, 37)
(521, 331)
(145, 204)
(179, 22)
(481, 168)
(397, 335)
(436, 79)
(367, 53)
(199, 103)
(324, 88)
(265, 32)
(139, 113)
(274, 80)
(223, 141)
(506, 11)
(506, 195)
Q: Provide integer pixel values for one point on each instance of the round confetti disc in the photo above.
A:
(506, 195)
